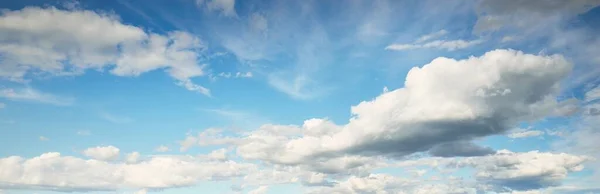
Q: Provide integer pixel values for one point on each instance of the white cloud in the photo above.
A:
(187, 143)
(434, 35)
(52, 171)
(259, 190)
(162, 148)
(515, 171)
(524, 171)
(445, 101)
(236, 75)
(384, 183)
(42, 138)
(246, 75)
(525, 134)
(107, 153)
(220, 154)
(32, 95)
(592, 94)
(449, 45)
(69, 42)
(132, 157)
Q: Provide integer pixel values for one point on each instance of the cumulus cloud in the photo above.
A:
(509, 171)
(52, 171)
(107, 153)
(444, 101)
(33, 95)
(67, 42)
(42, 138)
(524, 171)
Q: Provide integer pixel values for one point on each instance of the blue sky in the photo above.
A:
(226, 96)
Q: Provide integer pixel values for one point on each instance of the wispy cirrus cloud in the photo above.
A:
(429, 41)
(28, 94)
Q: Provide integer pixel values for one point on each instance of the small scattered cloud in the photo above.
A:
(106, 153)
(42, 138)
(232, 75)
(32, 95)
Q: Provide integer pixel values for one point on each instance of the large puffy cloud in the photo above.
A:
(444, 101)
(66, 42)
(52, 171)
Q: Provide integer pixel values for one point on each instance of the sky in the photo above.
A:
(316, 97)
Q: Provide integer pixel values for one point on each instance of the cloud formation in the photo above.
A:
(52, 171)
(442, 102)
(55, 42)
